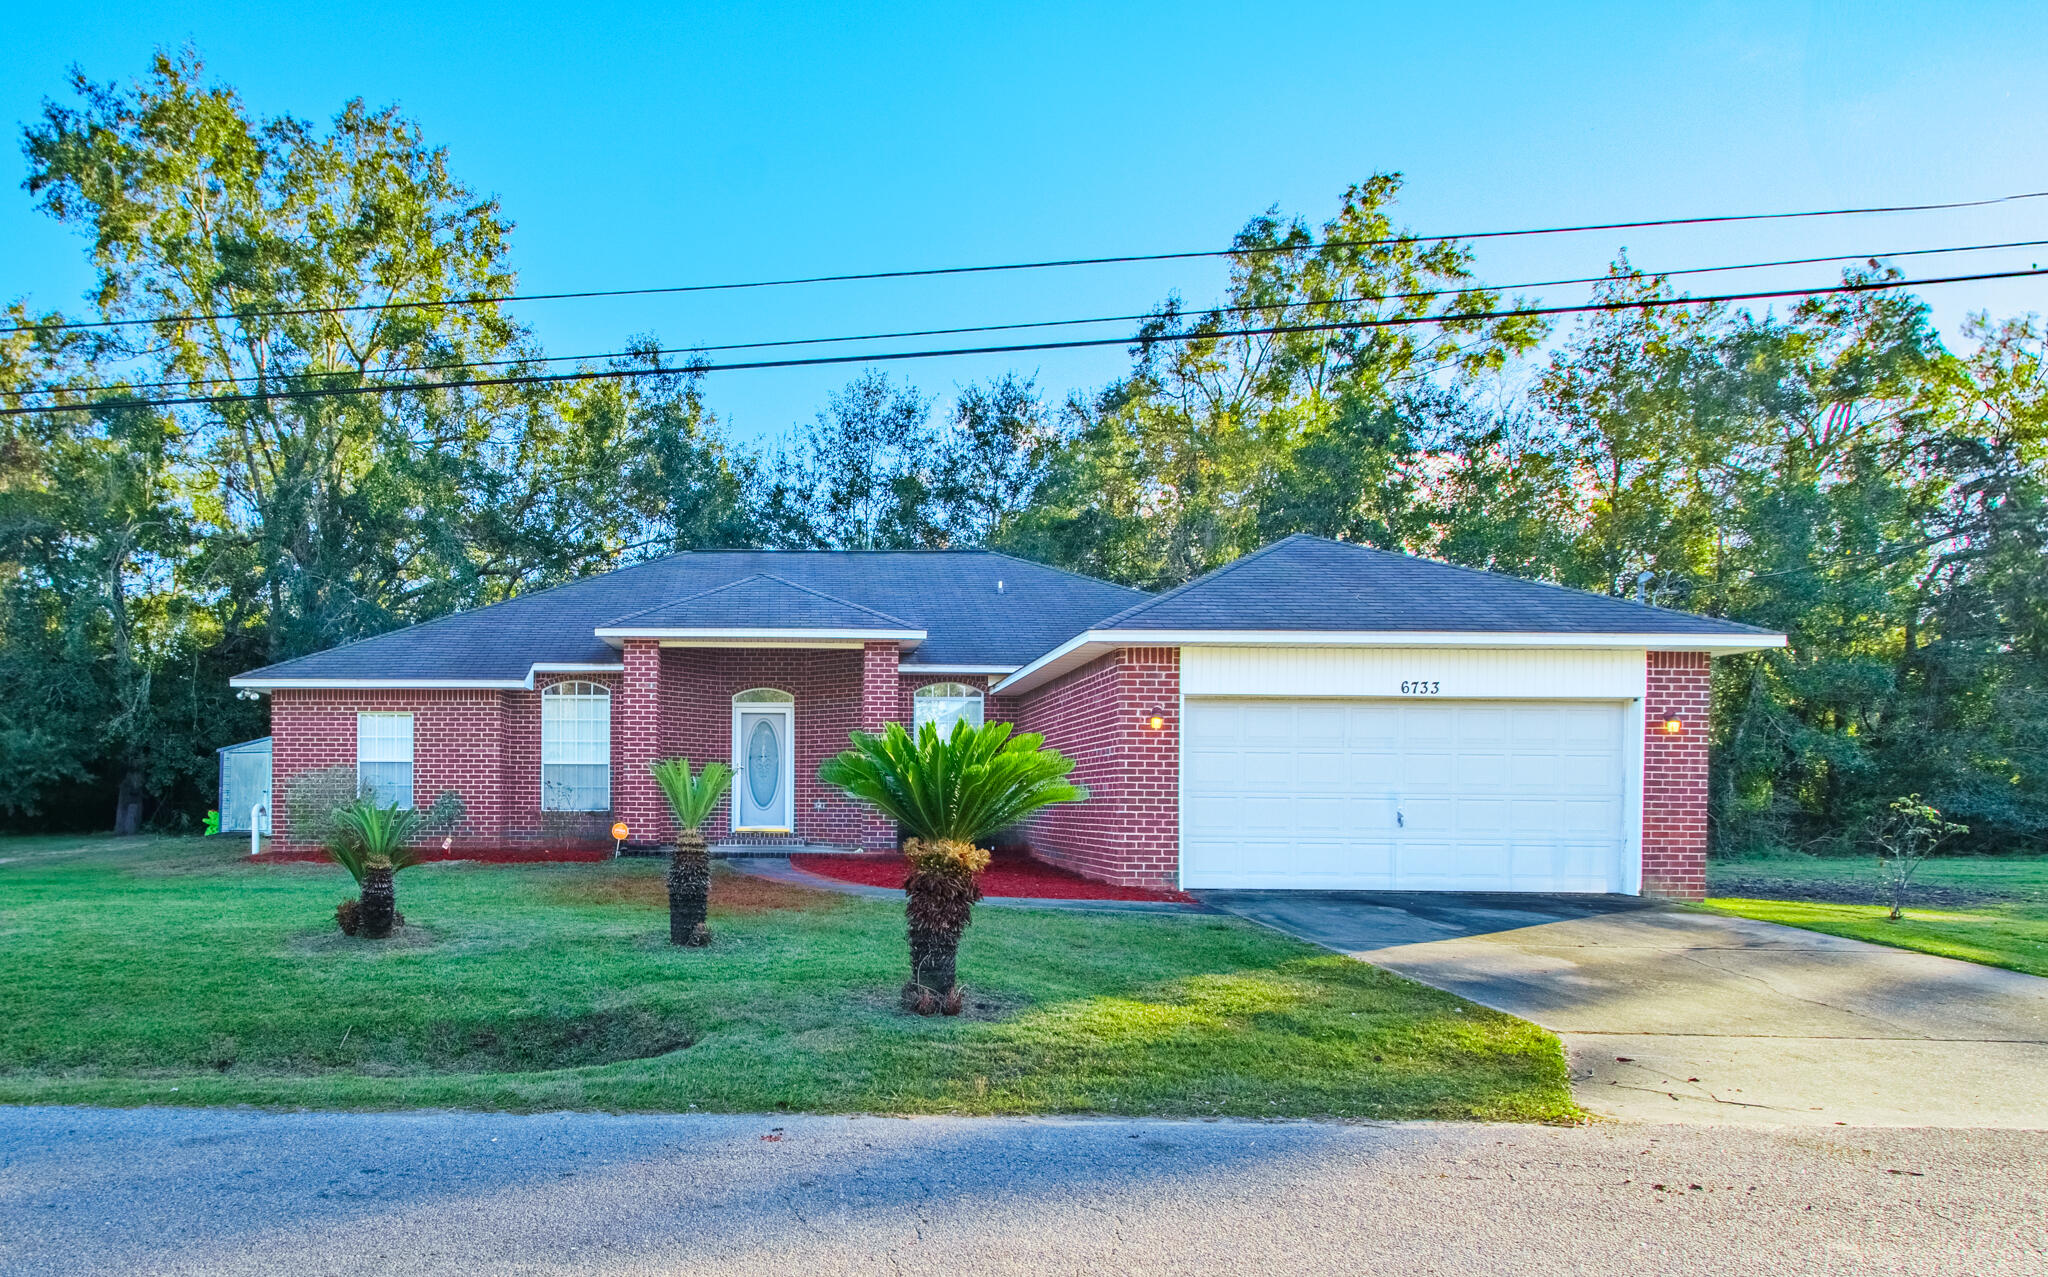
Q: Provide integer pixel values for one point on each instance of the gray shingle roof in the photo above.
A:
(760, 601)
(950, 594)
(1302, 583)
(1310, 583)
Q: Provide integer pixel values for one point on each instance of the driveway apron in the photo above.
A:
(1673, 1015)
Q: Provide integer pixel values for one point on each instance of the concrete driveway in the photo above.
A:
(1672, 1015)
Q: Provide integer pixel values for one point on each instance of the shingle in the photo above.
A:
(950, 594)
(1301, 583)
(760, 601)
(1311, 583)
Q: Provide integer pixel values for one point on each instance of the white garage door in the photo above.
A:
(1403, 795)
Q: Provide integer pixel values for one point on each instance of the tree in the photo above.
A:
(148, 554)
(947, 792)
(1906, 834)
(691, 798)
(1224, 436)
(862, 475)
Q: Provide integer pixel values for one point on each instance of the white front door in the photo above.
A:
(1404, 795)
(763, 765)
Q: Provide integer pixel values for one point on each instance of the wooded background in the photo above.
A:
(1834, 471)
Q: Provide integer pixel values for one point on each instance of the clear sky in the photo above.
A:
(647, 144)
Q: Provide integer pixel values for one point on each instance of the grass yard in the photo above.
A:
(172, 971)
(1992, 910)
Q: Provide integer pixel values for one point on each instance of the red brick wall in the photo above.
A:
(457, 743)
(636, 743)
(485, 744)
(1128, 832)
(1675, 775)
(698, 685)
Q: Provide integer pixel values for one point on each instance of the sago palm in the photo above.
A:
(371, 843)
(689, 866)
(948, 791)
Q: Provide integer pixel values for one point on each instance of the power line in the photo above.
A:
(1057, 263)
(1049, 323)
(611, 374)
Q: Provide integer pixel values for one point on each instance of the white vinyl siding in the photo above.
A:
(384, 757)
(576, 748)
(1405, 795)
(944, 704)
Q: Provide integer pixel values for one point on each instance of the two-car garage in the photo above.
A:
(1406, 770)
(1404, 795)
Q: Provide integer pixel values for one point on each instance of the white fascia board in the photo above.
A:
(1088, 645)
(909, 668)
(348, 684)
(1439, 638)
(619, 634)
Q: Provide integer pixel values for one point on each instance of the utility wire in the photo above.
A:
(1046, 323)
(612, 374)
(1057, 263)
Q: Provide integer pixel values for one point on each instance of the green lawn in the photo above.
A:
(1988, 909)
(173, 971)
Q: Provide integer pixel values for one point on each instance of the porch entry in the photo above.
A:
(764, 761)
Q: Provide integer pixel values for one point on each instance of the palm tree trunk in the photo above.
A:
(379, 908)
(689, 890)
(939, 905)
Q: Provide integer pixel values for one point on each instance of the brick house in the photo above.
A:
(1313, 715)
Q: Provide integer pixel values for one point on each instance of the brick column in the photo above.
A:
(1678, 689)
(880, 701)
(636, 743)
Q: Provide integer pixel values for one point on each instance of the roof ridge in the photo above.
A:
(1210, 575)
(834, 598)
(1078, 576)
(785, 582)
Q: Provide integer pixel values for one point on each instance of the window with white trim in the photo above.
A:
(942, 705)
(576, 747)
(384, 757)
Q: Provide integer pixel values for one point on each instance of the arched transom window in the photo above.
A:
(576, 747)
(944, 704)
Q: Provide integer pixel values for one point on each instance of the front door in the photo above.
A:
(762, 787)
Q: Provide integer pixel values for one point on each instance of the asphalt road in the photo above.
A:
(193, 1191)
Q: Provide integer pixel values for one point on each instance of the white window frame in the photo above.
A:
(576, 731)
(384, 741)
(943, 704)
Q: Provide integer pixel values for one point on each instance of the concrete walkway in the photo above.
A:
(1674, 1015)
(225, 1192)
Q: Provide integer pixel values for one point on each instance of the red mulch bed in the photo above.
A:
(1005, 876)
(488, 855)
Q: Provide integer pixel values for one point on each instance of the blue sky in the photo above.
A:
(643, 144)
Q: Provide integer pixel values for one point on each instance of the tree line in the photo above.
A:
(1835, 471)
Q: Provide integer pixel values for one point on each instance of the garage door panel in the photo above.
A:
(1325, 770)
(1490, 796)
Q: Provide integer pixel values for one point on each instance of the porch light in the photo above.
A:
(1157, 722)
(1673, 726)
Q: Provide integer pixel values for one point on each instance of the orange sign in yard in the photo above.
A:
(619, 831)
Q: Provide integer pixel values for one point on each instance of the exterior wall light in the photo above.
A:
(1157, 722)
(1673, 726)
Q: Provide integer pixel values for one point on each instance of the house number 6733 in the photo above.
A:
(1421, 687)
